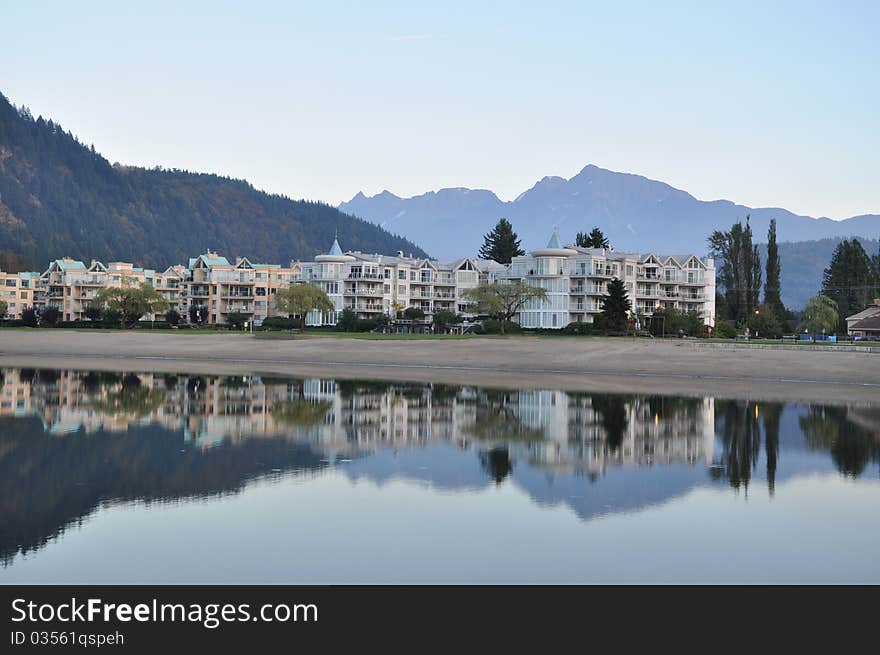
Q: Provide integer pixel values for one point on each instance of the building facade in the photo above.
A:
(210, 289)
(576, 281)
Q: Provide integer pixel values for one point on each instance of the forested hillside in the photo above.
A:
(59, 197)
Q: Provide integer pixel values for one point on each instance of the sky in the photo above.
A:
(763, 103)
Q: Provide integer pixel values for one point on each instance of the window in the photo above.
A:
(11, 282)
(401, 274)
(387, 273)
(23, 295)
(401, 289)
(386, 288)
(412, 276)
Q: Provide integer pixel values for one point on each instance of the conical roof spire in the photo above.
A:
(554, 240)
(335, 249)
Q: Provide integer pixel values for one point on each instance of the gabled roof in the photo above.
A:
(208, 262)
(870, 324)
(67, 265)
(874, 310)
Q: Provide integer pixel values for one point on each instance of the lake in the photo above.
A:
(169, 478)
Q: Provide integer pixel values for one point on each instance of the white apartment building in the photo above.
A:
(576, 282)
(373, 284)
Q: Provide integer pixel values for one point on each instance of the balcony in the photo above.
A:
(603, 271)
(363, 291)
(648, 275)
(365, 308)
(365, 276)
(241, 309)
(693, 279)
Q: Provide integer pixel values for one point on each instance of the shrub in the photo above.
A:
(724, 330)
(493, 326)
(279, 323)
(236, 320)
(580, 328)
(172, 316)
(413, 313)
(29, 318)
(50, 317)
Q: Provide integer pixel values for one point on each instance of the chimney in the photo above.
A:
(400, 254)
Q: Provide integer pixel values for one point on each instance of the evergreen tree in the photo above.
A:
(772, 297)
(501, 244)
(595, 239)
(850, 280)
(616, 307)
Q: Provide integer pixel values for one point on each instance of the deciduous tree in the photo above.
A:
(820, 315)
(503, 301)
(300, 299)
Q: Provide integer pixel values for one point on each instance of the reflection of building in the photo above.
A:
(548, 429)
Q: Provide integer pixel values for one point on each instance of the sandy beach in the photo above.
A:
(577, 364)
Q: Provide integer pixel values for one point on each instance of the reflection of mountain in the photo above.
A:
(47, 483)
(70, 441)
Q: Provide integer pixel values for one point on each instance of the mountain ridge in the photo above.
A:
(60, 198)
(637, 212)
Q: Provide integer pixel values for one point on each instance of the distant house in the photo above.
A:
(865, 323)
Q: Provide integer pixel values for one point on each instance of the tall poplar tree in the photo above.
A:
(738, 270)
(772, 291)
(501, 244)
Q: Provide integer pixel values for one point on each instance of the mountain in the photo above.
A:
(59, 197)
(638, 214)
(803, 263)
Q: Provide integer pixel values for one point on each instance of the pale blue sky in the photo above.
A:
(765, 103)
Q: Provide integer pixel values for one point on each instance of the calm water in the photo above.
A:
(170, 478)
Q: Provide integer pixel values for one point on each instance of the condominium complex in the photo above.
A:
(576, 281)
(372, 284)
(210, 288)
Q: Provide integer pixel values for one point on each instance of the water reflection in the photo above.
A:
(73, 441)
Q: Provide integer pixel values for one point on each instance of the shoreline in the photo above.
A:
(587, 364)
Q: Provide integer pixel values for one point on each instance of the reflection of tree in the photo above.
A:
(300, 412)
(497, 418)
(741, 440)
(771, 413)
(96, 380)
(851, 446)
(612, 410)
(496, 462)
(131, 399)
